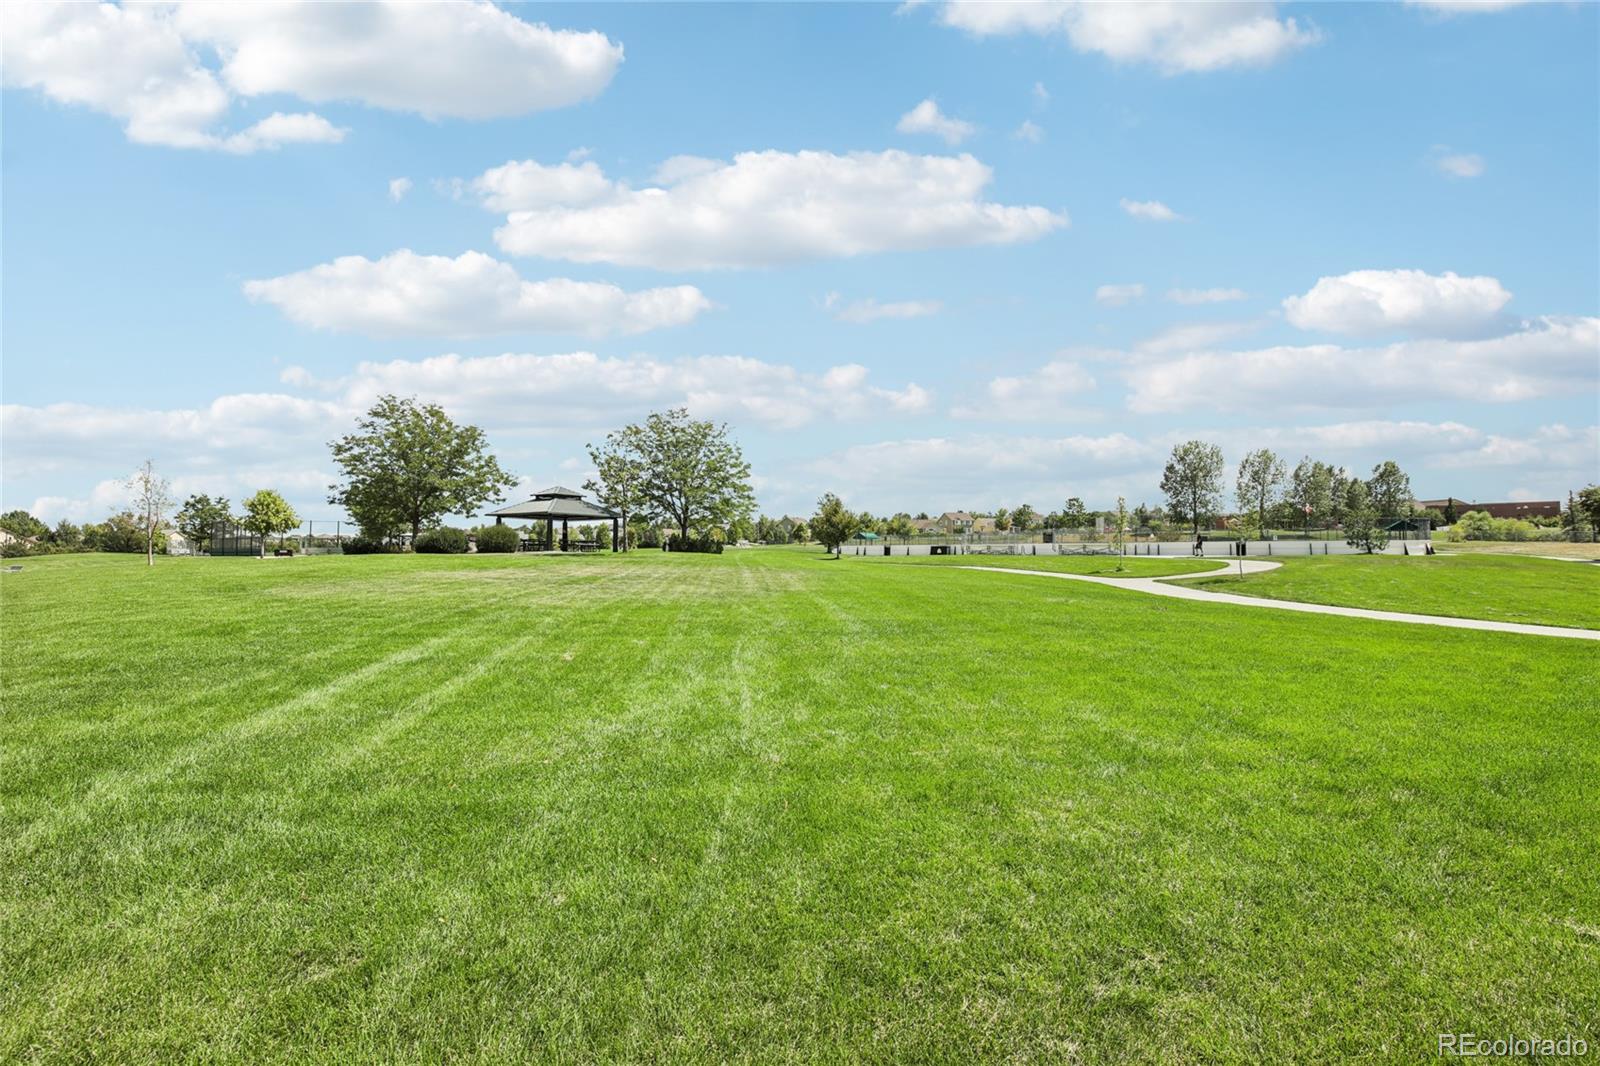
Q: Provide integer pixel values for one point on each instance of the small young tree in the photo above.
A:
(1361, 526)
(801, 533)
(199, 515)
(152, 497)
(1002, 520)
(833, 524)
(1192, 482)
(1260, 481)
(1119, 532)
(267, 513)
(1024, 519)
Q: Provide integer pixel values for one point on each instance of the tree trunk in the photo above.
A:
(150, 548)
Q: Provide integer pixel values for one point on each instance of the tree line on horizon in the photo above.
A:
(408, 466)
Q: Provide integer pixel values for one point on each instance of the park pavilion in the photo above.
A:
(559, 504)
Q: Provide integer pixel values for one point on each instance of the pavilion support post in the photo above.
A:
(549, 533)
(563, 534)
(499, 521)
(613, 534)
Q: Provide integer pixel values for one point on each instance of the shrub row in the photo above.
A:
(368, 546)
(704, 544)
(442, 541)
(497, 539)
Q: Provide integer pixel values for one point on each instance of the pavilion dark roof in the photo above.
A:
(555, 502)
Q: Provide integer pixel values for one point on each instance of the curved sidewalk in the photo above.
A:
(1163, 587)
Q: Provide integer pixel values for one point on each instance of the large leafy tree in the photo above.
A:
(1311, 490)
(23, 524)
(267, 513)
(1192, 482)
(122, 532)
(1362, 529)
(66, 536)
(833, 524)
(152, 497)
(1583, 511)
(408, 465)
(1074, 515)
(199, 515)
(1260, 481)
(1390, 489)
(694, 476)
(1338, 492)
(1024, 519)
(619, 474)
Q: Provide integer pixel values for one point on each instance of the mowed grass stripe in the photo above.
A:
(1495, 588)
(779, 808)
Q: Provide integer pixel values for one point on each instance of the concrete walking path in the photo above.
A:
(1163, 586)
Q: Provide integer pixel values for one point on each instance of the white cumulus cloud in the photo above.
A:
(398, 187)
(171, 72)
(1544, 357)
(1459, 164)
(473, 294)
(927, 118)
(1175, 37)
(1047, 394)
(527, 185)
(769, 208)
(1467, 7)
(1149, 210)
(1412, 301)
(870, 310)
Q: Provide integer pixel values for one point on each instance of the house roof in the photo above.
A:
(558, 492)
(959, 516)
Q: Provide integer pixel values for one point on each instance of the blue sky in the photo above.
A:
(928, 257)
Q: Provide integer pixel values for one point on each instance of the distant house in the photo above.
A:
(955, 522)
(983, 524)
(925, 525)
(1513, 509)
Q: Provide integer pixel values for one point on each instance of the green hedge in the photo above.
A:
(442, 541)
(368, 546)
(706, 545)
(498, 539)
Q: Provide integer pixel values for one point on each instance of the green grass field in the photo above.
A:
(1560, 549)
(1502, 588)
(768, 807)
(1092, 565)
